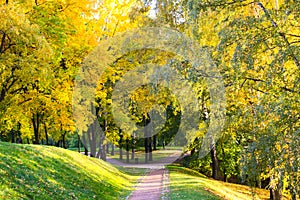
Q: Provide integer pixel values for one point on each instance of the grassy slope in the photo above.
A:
(188, 184)
(41, 172)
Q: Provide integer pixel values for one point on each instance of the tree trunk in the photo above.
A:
(215, 163)
(19, 135)
(86, 151)
(36, 124)
(78, 143)
(146, 149)
(150, 149)
(103, 143)
(112, 150)
(193, 151)
(13, 140)
(107, 148)
(64, 145)
(46, 134)
(92, 138)
(101, 149)
(92, 133)
(127, 150)
(99, 153)
(275, 193)
(132, 148)
(120, 147)
(133, 142)
(224, 172)
(103, 153)
(154, 142)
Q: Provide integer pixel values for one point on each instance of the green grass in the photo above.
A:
(186, 184)
(157, 155)
(189, 184)
(43, 172)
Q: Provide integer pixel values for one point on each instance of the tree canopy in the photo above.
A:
(47, 47)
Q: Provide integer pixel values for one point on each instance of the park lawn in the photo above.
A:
(188, 184)
(44, 172)
(157, 155)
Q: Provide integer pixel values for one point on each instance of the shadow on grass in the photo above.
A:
(39, 172)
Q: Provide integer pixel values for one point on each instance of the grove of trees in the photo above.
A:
(255, 45)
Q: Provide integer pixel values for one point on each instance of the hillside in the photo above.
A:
(43, 172)
(189, 184)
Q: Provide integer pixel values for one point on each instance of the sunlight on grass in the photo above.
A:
(43, 172)
(188, 184)
(157, 155)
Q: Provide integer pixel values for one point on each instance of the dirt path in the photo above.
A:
(155, 184)
(151, 187)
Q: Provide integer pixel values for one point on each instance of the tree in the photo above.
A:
(22, 65)
(256, 47)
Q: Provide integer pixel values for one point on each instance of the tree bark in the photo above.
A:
(215, 163)
(19, 135)
(13, 140)
(127, 150)
(107, 148)
(64, 145)
(103, 151)
(275, 193)
(150, 149)
(36, 124)
(120, 147)
(103, 148)
(78, 143)
(92, 139)
(146, 149)
(112, 150)
(132, 147)
(154, 142)
(224, 172)
(86, 151)
(46, 134)
(99, 153)
(2, 42)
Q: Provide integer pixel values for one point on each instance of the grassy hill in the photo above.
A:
(43, 172)
(189, 184)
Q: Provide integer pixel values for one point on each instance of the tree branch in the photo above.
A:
(296, 61)
(293, 35)
(2, 42)
(260, 80)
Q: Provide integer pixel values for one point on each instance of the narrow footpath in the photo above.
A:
(155, 184)
(152, 187)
